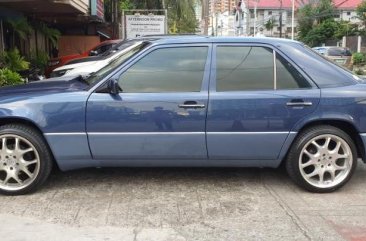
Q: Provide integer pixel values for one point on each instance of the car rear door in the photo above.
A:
(256, 96)
(161, 110)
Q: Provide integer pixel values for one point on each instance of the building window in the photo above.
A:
(348, 13)
(269, 12)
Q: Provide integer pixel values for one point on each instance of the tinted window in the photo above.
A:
(167, 70)
(244, 68)
(339, 52)
(287, 76)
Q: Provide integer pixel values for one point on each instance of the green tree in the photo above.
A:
(321, 32)
(269, 25)
(316, 22)
(361, 12)
(21, 28)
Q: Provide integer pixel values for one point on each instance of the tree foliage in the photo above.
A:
(316, 23)
(361, 12)
(269, 25)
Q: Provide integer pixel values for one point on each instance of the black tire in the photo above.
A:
(293, 157)
(45, 158)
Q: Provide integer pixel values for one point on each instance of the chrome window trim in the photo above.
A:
(274, 70)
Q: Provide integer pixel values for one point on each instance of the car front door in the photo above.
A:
(160, 112)
(256, 97)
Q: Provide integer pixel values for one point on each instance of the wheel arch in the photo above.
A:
(27, 122)
(345, 126)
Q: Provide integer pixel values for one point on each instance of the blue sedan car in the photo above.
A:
(198, 101)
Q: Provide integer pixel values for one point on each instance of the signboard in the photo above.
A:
(139, 25)
(97, 8)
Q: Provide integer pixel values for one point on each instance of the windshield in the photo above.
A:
(128, 52)
(120, 46)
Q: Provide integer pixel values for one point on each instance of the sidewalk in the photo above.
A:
(172, 204)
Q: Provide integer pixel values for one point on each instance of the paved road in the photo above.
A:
(165, 204)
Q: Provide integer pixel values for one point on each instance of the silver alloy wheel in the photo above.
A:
(19, 162)
(325, 161)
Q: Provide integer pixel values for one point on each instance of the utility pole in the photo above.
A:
(293, 20)
(280, 18)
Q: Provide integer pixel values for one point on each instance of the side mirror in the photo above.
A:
(93, 53)
(113, 87)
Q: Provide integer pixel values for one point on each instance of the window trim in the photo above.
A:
(275, 51)
(206, 72)
(274, 70)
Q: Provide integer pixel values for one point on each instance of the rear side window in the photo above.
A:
(166, 70)
(287, 75)
(241, 68)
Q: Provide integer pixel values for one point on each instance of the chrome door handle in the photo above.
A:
(299, 103)
(191, 106)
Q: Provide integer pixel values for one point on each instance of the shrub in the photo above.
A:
(358, 58)
(39, 60)
(8, 77)
(13, 60)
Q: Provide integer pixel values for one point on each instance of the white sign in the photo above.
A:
(139, 25)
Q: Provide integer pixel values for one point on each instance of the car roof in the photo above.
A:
(208, 39)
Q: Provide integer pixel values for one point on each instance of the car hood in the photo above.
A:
(73, 66)
(53, 85)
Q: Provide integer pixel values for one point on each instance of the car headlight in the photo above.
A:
(53, 63)
(60, 73)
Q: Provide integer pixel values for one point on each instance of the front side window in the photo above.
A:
(166, 70)
(241, 68)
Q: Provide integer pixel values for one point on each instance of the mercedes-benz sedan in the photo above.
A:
(197, 101)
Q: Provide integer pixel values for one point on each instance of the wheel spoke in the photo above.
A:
(332, 174)
(7, 178)
(321, 176)
(326, 144)
(338, 146)
(27, 163)
(314, 173)
(26, 171)
(25, 150)
(316, 145)
(16, 178)
(4, 147)
(308, 163)
(16, 147)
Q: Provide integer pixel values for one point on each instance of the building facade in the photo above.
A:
(273, 18)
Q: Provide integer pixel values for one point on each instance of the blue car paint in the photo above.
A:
(116, 129)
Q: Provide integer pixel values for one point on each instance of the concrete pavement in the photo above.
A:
(181, 204)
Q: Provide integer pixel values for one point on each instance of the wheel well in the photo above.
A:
(346, 127)
(6, 121)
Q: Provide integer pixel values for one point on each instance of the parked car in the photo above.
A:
(92, 64)
(200, 101)
(95, 51)
(85, 66)
(340, 55)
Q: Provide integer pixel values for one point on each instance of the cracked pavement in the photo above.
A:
(181, 204)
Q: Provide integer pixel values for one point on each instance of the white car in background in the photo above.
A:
(87, 67)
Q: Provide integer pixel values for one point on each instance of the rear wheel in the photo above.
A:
(25, 161)
(322, 159)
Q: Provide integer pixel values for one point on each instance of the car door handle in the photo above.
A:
(299, 103)
(191, 105)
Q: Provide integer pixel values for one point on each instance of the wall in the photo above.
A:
(76, 44)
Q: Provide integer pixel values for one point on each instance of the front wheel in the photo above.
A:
(25, 160)
(322, 159)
